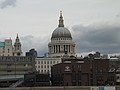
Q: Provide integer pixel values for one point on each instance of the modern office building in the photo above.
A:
(32, 52)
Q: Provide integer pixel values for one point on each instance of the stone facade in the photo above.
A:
(61, 41)
(43, 65)
(7, 49)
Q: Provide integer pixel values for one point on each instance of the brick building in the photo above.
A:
(82, 72)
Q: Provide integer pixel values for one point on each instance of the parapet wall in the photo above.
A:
(63, 88)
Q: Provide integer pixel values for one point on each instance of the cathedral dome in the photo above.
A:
(61, 32)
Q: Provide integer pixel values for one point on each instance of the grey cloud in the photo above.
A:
(38, 43)
(7, 3)
(104, 38)
(118, 15)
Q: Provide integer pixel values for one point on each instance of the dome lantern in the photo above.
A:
(61, 24)
(61, 31)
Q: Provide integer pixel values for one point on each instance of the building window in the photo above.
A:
(53, 62)
(50, 62)
(79, 75)
(45, 66)
(44, 62)
(73, 68)
(44, 70)
(91, 75)
(8, 64)
(73, 76)
(79, 67)
(41, 66)
(8, 50)
(41, 62)
(9, 71)
(47, 62)
(48, 71)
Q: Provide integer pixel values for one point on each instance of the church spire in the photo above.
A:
(17, 36)
(61, 24)
(17, 47)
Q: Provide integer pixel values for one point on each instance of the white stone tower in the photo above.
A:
(61, 41)
(17, 47)
(8, 48)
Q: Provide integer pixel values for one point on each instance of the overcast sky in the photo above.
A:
(94, 24)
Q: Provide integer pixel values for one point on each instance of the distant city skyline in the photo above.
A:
(94, 24)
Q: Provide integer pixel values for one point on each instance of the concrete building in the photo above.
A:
(61, 41)
(19, 65)
(13, 68)
(7, 49)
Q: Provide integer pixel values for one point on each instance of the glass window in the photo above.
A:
(50, 62)
(44, 70)
(9, 71)
(8, 50)
(45, 66)
(48, 71)
(79, 67)
(53, 62)
(44, 62)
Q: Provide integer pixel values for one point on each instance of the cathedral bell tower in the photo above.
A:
(17, 47)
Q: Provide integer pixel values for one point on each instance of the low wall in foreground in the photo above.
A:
(49, 88)
(63, 88)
